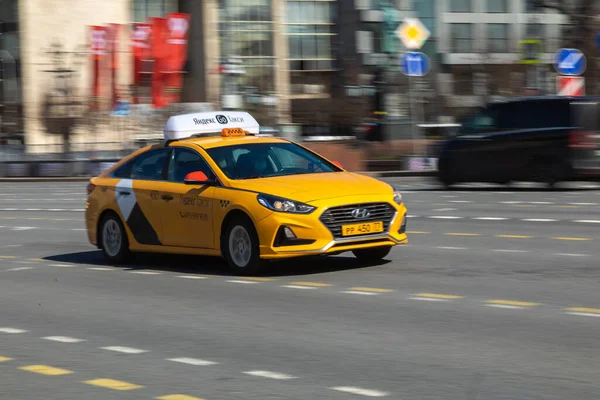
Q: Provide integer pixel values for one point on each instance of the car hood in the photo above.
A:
(312, 187)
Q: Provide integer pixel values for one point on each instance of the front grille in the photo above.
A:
(335, 217)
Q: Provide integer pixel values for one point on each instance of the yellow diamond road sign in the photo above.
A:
(413, 33)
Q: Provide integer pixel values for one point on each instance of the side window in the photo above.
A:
(150, 166)
(186, 161)
(483, 121)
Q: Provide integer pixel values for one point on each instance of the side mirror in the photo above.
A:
(197, 178)
(337, 164)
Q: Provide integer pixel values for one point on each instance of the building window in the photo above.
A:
(530, 7)
(497, 6)
(534, 31)
(144, 9)
(461, 6)
(460, 36)
(498, 38)
(309, 28)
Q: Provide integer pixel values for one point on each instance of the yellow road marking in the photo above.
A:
(8, 257)
(417, 233)
(439, 296)
(46, 370)
(314, 284)
(571, 238)
(584, 310)
(513, 303)
(113, 384)
(3, 359)
(178, 397)
(461, 234)
(368, 289)
(35, 259)
(36, 219)
(8, 218)
(515, 236)
(251, 278)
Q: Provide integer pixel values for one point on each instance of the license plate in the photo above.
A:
(362, 229)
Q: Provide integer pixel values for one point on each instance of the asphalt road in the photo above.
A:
(495, 297)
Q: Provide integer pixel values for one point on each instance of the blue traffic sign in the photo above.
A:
(569, 62)
(414, 64)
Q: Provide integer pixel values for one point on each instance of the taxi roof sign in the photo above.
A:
(206, 123)
(233, 132)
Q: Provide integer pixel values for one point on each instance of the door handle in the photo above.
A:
(166, 197)
(123, 193)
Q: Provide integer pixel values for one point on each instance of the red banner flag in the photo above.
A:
(98, 49)
(113, 35)
(142, 51)
(159, 52)
(176, 47)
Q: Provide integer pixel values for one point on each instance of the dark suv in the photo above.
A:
(537, 139)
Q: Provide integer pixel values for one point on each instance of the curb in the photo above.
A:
(375, 174)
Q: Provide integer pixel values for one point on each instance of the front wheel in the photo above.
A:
(241, 247)
(372, 254)
(115, 245)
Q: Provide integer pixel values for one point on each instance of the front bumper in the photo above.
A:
(313, 237)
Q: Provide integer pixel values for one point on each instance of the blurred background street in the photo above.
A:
(495, 296)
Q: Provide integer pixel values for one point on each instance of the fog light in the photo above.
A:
(288, 233)
(403, 226)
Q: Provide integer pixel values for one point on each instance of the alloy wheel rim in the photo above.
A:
(111, 237)
(240, 247)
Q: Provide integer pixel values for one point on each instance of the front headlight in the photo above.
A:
(398, 196)
(284, 205)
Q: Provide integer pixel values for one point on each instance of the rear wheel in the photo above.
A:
(240, 247)
(373, 253)
(113, 237)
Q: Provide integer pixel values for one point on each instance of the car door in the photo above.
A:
(187, 209)
(137, 196)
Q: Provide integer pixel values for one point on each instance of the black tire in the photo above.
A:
(239, 262)
(373, 253)
(120, 254)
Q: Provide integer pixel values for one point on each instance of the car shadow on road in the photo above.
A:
(186, 264)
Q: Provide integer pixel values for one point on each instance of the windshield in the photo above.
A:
(262, 160)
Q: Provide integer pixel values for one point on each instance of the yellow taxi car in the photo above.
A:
(215, 187)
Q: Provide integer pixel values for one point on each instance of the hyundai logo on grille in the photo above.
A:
(360, 213)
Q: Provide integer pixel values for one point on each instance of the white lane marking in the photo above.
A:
(539, 220)
(450, 197)
(23, 228)
(9, 245)
(191, 277)
(56, 209)
(510, 251)
(12, 330)
(359, 292)
(451, 248)
(25, 262)
(62, 265)
(412, 216)
(101, 269)
(583, 204)
(491, 218)
(33, 209)
(444, 209)
(145, 272)
(240, 281)
(9, 209)
(510, 202)
(583, 314)
(269, 374)
(78, 229)
(504, 306)
(123, 349)
(427, 298)
(18, 269)
(192, 361)
(459, 201)
(588, 221)
(360, 391)
(63, 339)
(444, 217)
(571, 254)
(298, 287)
(540, 202)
